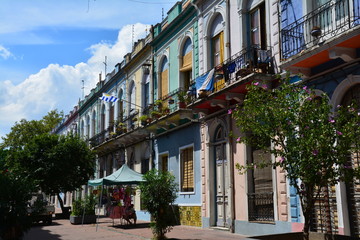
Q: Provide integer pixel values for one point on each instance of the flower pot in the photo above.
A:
(203, 93)
(79, 219)
(315, 32)
(182, 105)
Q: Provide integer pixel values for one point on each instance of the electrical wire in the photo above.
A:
(137, 1)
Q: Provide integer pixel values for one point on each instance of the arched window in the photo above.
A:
(132, 99)
(217, 41)
(164, 75)
(93, 123)
(186, 64)
(146, 90)
(82, 128)
(102, 118)
(120, 104)
(111, 115)
(88, 126)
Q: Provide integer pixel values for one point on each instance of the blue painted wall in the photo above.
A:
(171, 143)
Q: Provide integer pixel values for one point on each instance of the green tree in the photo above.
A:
(158, 193)
(15, 193)
(24, 130)
(57, 163)
(310, 141)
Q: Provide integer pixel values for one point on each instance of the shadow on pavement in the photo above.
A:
(132, 226)
(183, 239)
(40, 224)
(40, 233)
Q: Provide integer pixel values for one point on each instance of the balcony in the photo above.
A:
(168, 112)
(261, 207)
(334, 23)
(120, 133)
(226, 84)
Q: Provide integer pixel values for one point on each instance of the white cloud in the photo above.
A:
(59, 86)
(115, 52)
(68, 13)
(5, 53)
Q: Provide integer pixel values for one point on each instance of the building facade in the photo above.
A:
(176, 91)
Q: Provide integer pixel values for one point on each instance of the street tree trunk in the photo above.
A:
(61, 202)
(307, 201)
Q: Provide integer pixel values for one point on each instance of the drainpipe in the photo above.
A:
(232, 228)
(151, 146)
(152, 71)
(228, 44)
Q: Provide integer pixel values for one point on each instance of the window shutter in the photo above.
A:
(164, 83)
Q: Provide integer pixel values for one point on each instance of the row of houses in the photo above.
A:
(175, 90)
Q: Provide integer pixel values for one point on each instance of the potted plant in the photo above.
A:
(83, 211)
(171, 101)
(155, 114)
(144, 119)
(315, 31)
(121, 128)
(158, 102)
(182, 97)
(166, 110)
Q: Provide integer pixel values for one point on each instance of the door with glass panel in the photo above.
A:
(221, 180)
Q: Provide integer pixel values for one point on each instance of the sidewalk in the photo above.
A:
(64, 230)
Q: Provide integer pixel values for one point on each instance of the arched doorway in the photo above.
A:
(222, 178)
(353, 188)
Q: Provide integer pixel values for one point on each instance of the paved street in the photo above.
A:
(62, 229)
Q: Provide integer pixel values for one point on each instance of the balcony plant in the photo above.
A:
(165, 110)
(182, 98)
(144, 119)
(84, 209)
(121, 128)
(155, 114)
(158, 102)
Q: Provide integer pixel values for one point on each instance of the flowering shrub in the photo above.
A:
(310, 141)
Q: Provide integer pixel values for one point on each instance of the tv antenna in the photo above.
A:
(105, 63)
(83, 87)
(132, 35)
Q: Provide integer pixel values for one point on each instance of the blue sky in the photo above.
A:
(47, 47)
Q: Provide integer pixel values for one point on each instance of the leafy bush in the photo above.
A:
(158, 193)
(15, 194)
(88, 203)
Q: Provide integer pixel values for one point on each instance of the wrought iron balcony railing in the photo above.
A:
(329, 20)
(98, 138)
(173, 101)
(250, 60)
(261, 207)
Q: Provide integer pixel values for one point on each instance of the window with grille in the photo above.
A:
(260, 192)
(353, 188)
(144, 166)
(187, 169)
